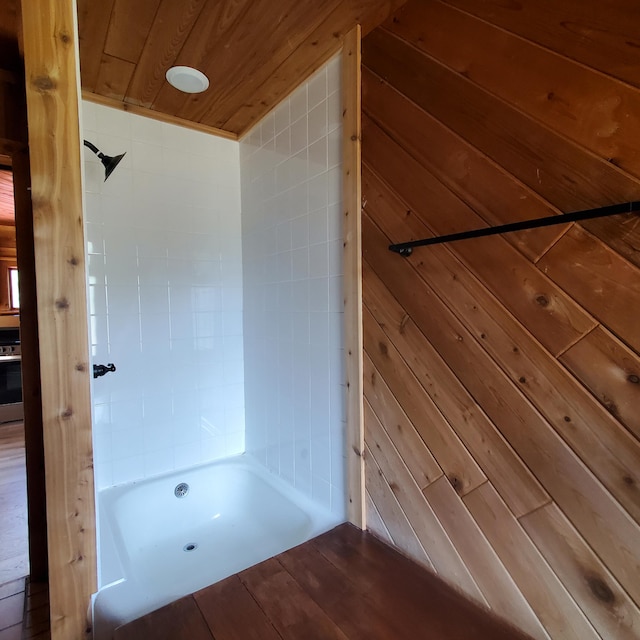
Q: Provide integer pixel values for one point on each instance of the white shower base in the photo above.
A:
(235, 515)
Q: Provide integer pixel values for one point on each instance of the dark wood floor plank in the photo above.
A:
(11, 588)
(232, 613)
(180, 620)
(11, 609)
(291, 610)
(429, 608)
(11, 633)
(355, 614)
(343, 585)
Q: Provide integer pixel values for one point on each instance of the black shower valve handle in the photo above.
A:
(102, 369)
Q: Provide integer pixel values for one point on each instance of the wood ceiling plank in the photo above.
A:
(229, 72)
(557, 169)
(602, 35)
(203, 47)
(169, 32)
(263, 91)
(274, 53)
(114, 77)
(93, 24)
(611, 371)
(129, 27)
(594, 110)
(7, 213)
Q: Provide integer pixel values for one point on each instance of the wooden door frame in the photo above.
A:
(51, 72)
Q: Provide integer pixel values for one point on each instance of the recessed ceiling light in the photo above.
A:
(187, 79)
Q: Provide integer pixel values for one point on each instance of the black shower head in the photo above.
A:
(109, 162)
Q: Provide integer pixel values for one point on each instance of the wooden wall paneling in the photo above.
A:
(410, 445)
(93, 24)
(594, 110)
(50, 55)
(603, 601)
(621, 233)
(611, 371)
(487, 188)
(114, 77)
(549, 599)
(499, 589)
(602, 443)
(600, 36)
(425, 523)
(501, 464)
(558, 170)
(538, 303)
(263, 91)
(597, 277)
(375, 523)
(352, 270)
(584, 500)
(391, 515)
(129, 28)
(460, 468)
(172, 25)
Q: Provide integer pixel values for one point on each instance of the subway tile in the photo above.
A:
(317, 88)
(317, 122)
(298, 103)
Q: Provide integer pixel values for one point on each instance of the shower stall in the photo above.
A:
(215, 288)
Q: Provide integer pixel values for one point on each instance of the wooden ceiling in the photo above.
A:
(254, 52)
(7, 212)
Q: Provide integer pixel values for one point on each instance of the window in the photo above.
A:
(14, 290)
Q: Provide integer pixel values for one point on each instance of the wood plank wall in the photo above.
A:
(502, 375)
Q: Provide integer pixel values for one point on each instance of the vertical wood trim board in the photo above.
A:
(352, 199)
(515, 359)
(50, 51)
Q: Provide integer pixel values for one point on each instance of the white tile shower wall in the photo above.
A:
(292, 249)
(165, 296)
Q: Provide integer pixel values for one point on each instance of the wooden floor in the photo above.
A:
(24, 606)
(24, 611)
(343, 585)
(14, 551)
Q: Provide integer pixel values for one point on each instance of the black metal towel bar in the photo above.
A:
(405, 248)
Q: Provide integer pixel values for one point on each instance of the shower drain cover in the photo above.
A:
(181, 490)
(190, 546)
